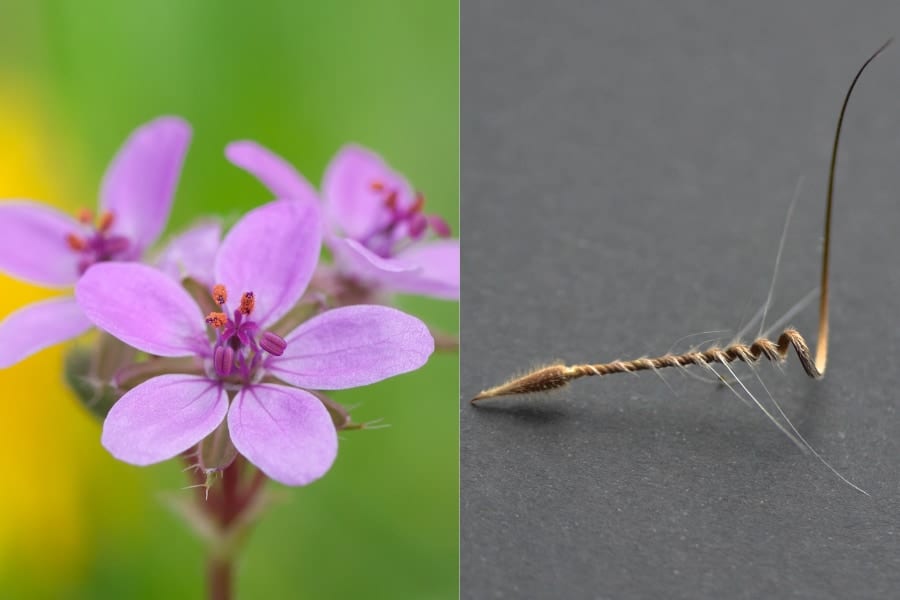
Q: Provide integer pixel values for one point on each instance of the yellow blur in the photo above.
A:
(55, 476)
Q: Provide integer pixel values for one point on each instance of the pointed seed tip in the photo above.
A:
(481, 396)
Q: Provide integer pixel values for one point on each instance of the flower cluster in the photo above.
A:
(230, 342)
(375, 225)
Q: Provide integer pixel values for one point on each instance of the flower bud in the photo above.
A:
(96, 395)
(215, 452)
(339, 415)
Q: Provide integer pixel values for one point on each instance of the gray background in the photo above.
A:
(626, 170)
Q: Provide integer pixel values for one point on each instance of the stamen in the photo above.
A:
(377, 186)
(272, 343)
(85, 216)
(248, 301)
(417, 226)
(84, 263)
(223, 361)
(391, 200)
(216, 319)
(75, 242)
(419, 203)
(439, 226)
(105, 221)
(115, 244)
(220, 294)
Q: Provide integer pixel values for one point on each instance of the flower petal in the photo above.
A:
(192, 253)
(357, 261)
(285, 432)
(139, 184)
(271, 252)
(33, 244)
(163, 417)
(439, 274)
(352, 346)
(37, 326)
(144, 308)
(353, 203)
(278, 175)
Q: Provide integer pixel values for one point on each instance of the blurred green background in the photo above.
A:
(302, 78)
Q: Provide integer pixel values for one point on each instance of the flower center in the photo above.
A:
(241, 345)
(404, 224)
(95, 243)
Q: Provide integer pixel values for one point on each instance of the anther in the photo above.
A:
(220, 294)
(417, 225)
(85, 216)
(248, 301)
(216, 319)
(439, 226)
(272, 343)
(391, 201)
(419, 203)
(105, 222)
(377, 186)
(223, 361)
(76, 242)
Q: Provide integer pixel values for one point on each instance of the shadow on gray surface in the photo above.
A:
(528, 412)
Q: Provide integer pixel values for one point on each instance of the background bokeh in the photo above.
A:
(302, 78)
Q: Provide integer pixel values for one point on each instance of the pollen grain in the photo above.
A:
(248, 302)
(76, 242)
(220, 294)
(105, 221)
(216, 319)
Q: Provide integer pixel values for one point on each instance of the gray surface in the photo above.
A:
(626, 169)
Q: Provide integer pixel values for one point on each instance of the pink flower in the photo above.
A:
(377, 230)
(192, 253)
(261, 270)
(46, 247)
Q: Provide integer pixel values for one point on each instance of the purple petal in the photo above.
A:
(144, 308)
(192, 253)
(37, 326)
(357, 261)
(163, 417)
(278, 175)
(353, 204)
(439, 274)
(271, 252)
(285, 432)
(140, 182)
(352, 346)
(33, 244)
